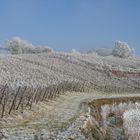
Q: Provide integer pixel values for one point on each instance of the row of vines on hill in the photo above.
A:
(24, 97)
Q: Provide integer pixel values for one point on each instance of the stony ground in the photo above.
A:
(58, 119)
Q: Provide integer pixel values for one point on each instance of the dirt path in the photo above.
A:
(48, 118)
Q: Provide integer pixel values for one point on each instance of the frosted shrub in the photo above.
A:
(17, 46)
(117, 110)
(122, 50)
(131, 119)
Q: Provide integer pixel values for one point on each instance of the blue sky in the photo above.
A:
(67, 24)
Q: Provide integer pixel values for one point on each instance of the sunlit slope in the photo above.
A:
(47, 69)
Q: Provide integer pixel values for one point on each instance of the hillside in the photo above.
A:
(47, 69)
(47, 95)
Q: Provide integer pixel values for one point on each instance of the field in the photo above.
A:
(48, 96)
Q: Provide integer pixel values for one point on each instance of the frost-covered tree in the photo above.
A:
(122, 50)
(17, 45)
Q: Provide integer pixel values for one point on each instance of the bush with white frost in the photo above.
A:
(19, 46)
(131, 119)
(122, 50)
(117, 109)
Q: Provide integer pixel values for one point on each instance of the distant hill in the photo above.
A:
(101, 51)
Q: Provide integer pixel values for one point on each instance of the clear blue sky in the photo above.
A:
(67, 24)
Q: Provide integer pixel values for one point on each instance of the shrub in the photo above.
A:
(122, 50)
(19, 46)
(131, 119)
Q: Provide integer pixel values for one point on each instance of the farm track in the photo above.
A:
(51, 118)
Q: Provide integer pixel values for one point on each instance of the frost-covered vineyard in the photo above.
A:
(29, 78)
(40, 66)
(47, 69)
